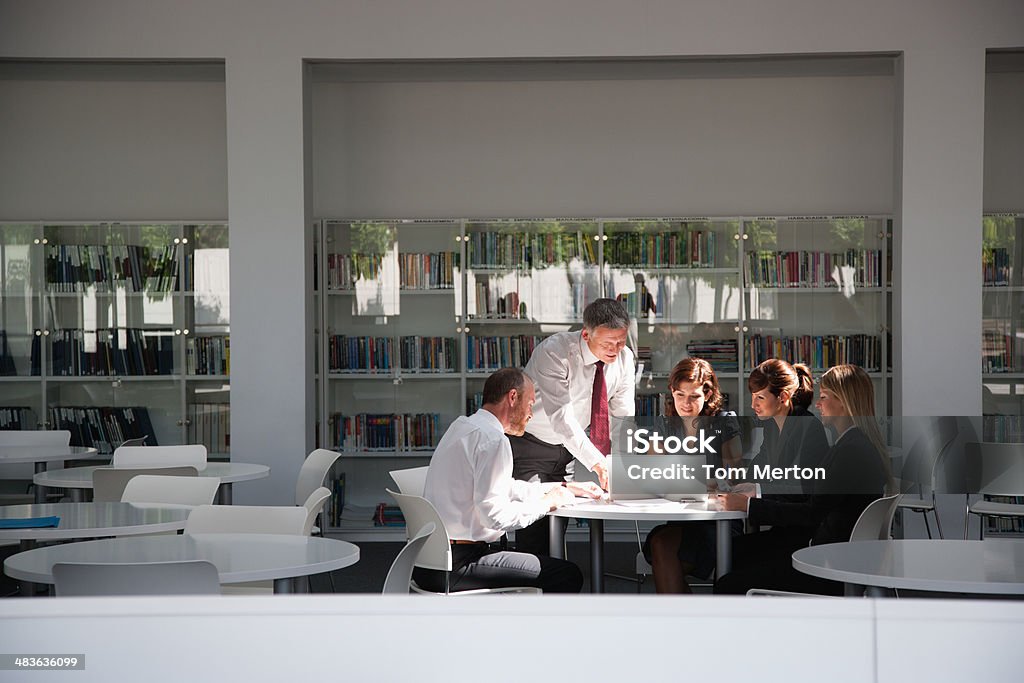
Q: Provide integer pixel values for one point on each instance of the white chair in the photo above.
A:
(873, 524)
(313, 505)
(108, 483)
(921, 466)
(311, 477)
(146, 488)
(994, 469)
(155, 456)
(399, 577)
(151, 578)
(411, 481)
(138, 441)
(246, 519)
(436, 552)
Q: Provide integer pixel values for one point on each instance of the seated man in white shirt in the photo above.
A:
(470, 483)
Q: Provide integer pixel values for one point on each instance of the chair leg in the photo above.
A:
(938, 521)
(927, 527)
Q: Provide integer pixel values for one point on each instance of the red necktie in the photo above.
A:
(599, 412)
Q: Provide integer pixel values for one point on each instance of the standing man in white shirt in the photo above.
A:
(470, 483)
(582, 378)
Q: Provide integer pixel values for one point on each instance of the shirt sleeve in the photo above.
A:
(551, 376)
(622, 402)
(503, 505)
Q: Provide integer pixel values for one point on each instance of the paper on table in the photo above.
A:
(29, 522)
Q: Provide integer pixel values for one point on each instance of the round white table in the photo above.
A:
(40, 455)
(993, 566)
(238, 557)
(653, 509)
(80, 478)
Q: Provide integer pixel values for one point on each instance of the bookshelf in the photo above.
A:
(416, 313)
(115, 330)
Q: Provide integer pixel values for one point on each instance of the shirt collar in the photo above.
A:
(490, 418)
(588, 356)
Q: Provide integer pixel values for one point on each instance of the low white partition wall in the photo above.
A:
(526, 638)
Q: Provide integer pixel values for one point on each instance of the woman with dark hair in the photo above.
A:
(778, 392)
(680, 548)
(856, 473)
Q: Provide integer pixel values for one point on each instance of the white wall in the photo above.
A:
(622, 147)
(113, 143)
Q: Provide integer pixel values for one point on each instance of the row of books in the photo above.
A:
(853, 267)
(656, 405)
(684, 249)
(995, 267)
(210, 425)
(1005, 525)
(115, 351)
(640, 303)
(103, 428)
(998, 352)
(336, 503)
(436, 270)
(491, 304)
(17, 419)
(723, 354)
(208, 355)
(376, 354)
(385, 432)
(821, 351)
(528, 250)
(491, 353)
(77, 267)
(1003, 428)
(388, 515)
(428, 271)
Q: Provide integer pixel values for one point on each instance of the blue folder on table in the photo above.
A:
(29, 522)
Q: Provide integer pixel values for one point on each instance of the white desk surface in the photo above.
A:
(238, 557)
(10, 455)
(81, 477)
(653, 509)
(89, 520)
(989, 566)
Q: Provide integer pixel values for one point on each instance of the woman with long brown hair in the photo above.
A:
(680, 548)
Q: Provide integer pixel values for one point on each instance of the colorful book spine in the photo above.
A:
(385, 432)
(819, 352)
(814, 269)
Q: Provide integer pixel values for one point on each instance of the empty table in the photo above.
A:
(994, 566)
(655, 509)
(40, 455)
(239, 558)
(80, 478)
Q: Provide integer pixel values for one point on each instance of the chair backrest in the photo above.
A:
(313, 472)
(150, 456)
(246, 519)
(146, 488)
(876, 520)
(400, 574)
(925, 455)
(411, 481)
(140, 441)
(41, 437)
(995, 468)
(419, 512)
(313, 505)
(108, 483)
(149, 578)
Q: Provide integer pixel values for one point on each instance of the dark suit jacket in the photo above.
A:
(802, 442)
(855, 476)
